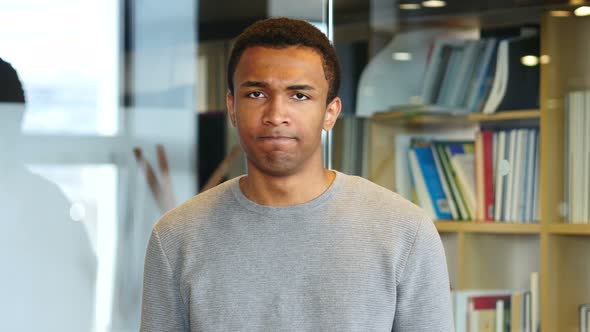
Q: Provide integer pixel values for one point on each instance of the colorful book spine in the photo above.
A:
(488, 174)
(433, 183)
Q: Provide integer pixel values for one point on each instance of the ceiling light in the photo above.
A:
(434, 3)
(402, 56)
(409, 6)
(582, 11)
(529, 60)
(560, 13)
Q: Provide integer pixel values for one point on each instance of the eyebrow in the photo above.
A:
(254, 84)
(258, 84)
(300, 87)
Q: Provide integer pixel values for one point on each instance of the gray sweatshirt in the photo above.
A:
(357, 258)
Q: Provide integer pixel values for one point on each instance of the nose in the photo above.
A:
(276, 113)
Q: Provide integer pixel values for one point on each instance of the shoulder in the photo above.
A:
(197, 211)
(382, 209)
(379, 200)
(403, 227)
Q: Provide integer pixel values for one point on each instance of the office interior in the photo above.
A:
(124, 118)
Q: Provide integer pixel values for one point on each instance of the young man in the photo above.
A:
(292, 246)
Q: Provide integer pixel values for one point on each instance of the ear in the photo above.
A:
(332, 111)
(229, 99)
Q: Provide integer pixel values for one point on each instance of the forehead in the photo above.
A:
(278, 62)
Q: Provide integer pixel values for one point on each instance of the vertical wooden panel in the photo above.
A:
(564, 283)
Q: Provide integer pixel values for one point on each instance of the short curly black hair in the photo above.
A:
(11, 89)
(281, 33)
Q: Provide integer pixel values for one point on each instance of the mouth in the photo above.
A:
(277, 141)
(276, 138)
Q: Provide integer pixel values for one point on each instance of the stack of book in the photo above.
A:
(486, 75)
(497, 310)
(515, 172)
(577, 157)
(495, 178)
(443, 178)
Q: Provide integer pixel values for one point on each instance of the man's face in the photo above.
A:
(279, 108)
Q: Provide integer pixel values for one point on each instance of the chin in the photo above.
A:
(275, 168)
(279, 171)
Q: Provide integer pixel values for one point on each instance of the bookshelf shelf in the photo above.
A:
(506, 116)
(492, 228)
(569, 229)
(423, 116)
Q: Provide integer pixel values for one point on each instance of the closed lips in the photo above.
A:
(276, 138)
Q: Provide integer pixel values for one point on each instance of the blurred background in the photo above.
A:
(120, 115)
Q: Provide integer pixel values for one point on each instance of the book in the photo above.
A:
(464, 73)
(480, 84)
(575, 180)
(450, 178)
(508, 92)
(510, 179)
(498, 86)
(468, 73)
(435, 70)
(535, 318)
(403, 142)
(586, 161)
(453, 61)
(488, 174)
(464, 165)
(527, 312)
(516, 314)
(502, 168)
(466, 187)
(423, 198)
(579, 161)
(463, 304)
(500, 317)
(567, 165)
(444, 182)
(483, 313)
(479, 177)
(584, 317)
(426, 172)
(530, 174)
(519, 190)
(403, 182)
(536, 182)
(449, 79)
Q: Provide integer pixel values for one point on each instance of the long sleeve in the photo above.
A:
(162, 305)
(424, 301)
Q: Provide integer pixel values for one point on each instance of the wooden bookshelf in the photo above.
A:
(424, 116)
(502, 255)
(565, 272)
(506, 116)
(569, 229)
(487, 227)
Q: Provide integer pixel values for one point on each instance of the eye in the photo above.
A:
(300, 96)
(256, 94)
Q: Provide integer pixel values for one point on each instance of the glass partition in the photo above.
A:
(101, 105)
(84, 85)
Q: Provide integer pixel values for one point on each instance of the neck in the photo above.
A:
(286, 190)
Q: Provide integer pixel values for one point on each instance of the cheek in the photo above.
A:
(246, 128)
